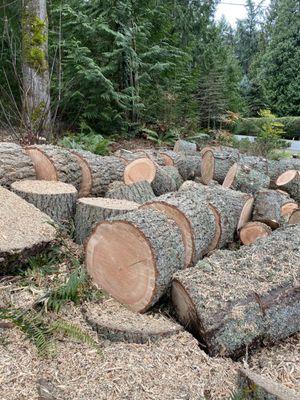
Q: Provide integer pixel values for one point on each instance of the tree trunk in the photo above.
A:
(91, 210)
(216, 163)
(289, 181)
(139, 192)
(234, 301)
(253, 231)
(165, 180)
(134, 257)
(15, 164)
(35, 67)
(56, 199)
(245, 179)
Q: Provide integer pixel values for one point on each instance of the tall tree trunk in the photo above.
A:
(35, 67)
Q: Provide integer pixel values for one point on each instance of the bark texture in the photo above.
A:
(292, 187)
(139, 192)
(189, 166)
(90, 211)
(164, 181)
(183, 146)
(248, 180)
(56, 199)
(278, 167)
(15, 164)
(237, 300)
(259, 163)
(222, 160)
(169, 156)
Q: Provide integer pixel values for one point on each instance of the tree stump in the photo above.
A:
(252, 231)
(15, 164)
(183, 146)
(134, 257)
(234, 301)
(196, 220)
(139, 192)
(289, 181)
(53, 163)
(188, 166)
(98, 172)
(216, 164)
(245, 179)
(56, 199)
(25, 231)
(90, 211)
(295, 217)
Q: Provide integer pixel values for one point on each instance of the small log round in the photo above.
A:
(53, 163)
(90, 211)
(56, 199)
(15, 164)
(289, 181)
(165, 180)
(134, 257)
(188, 166)
(245, 179)
(216, 164)
(169, 156)
(196, 220)
(295, 217)
(183, 146)
(253, 231)
(139, 192)
(153, 154)
(140, 169)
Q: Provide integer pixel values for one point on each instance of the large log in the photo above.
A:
(278, 167)
(189, 166)
(252, 231)
(289, 181)
(234, 301)
(183, 146)
(134, 257)
(258, 163)
(245, 179)
(25, 231)
(139, 192)
(216, 163)
(98, 172)
(196, 220)
(164, 181)
(53, 163)
(56, 199)
(15, 164)
(90, 211)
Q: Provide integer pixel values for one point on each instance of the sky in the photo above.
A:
(234, 10)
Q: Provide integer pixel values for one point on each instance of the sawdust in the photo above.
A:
(43, 187)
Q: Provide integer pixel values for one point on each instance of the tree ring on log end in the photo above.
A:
(288, 208)
(295, 217)
(246, 213)
(44, 168)
(286, 177)
(86, 176)
(120, 260)
(141, 169)
(252, 231)
(168, 160)
(230, 176)
(207, 167)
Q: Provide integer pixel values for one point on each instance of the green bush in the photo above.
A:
(253, 126)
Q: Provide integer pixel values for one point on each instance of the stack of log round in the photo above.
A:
(245, 179)
(289, 181)
(90, 211)
(184, 146)
(98, 172)
(56, 199)
(139, 192)
(216, 163)
(53, 163)
(15, 164)
(196, 220)
(252, 231)
(234, 301)
(134, 257)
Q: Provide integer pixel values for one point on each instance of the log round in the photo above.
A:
(289, 181)
(164, 181)
(15, 164)
(215, 164)
(56, 199)
(196, 220)
(295, 217)
(141, 169)
(183, 146)
(98, 172)
(188, 166)
(278, 167)
(90, 211)
(234, 301)
(153, 154)
(175, 175)
(134, 257)
(245, 179)
(252, 231)
(53, 163)
(169, 156)
(258, 163)
(139, 192)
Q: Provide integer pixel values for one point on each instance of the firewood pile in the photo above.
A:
(214, 231)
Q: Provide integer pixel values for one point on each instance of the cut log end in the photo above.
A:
(207, 167)
(168, 160)
(229, 179)
(246, 213)
(252, 231)
(141, 169)
(112, 204)
(86, 176)
(286, 177)
(295, 217)
(288, 208)
(44, 168)
(43, 187)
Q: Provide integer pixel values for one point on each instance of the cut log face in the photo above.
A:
(86, 176)
(91, 210)
(295, 217)
(288, 208)
(25, 231)
(134, 257)
(15, 164)
(56, 199)
(44, 168)
(142, 169)
(290, 182)
(253, 231)
(207, 166)
(216, 164)
(169, 156)
(233, 301)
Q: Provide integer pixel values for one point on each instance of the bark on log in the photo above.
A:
(175, 175)
(295, 217)
(90, 211)
(188, 166)
(53, 163)
(258, 163)
(237, 300)
(164, 181)
(289, 181)
(278, 167)
(56, 199)
(196, 220)
(215, 164)
(185, 147)
(25, 231)
(169, 156)
(134, 257)
(15, 164)
(139, 192)
(153, 154)
(98, 172)
(253, 231)
(245, 179)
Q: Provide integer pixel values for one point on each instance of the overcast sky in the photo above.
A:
(232, 10)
